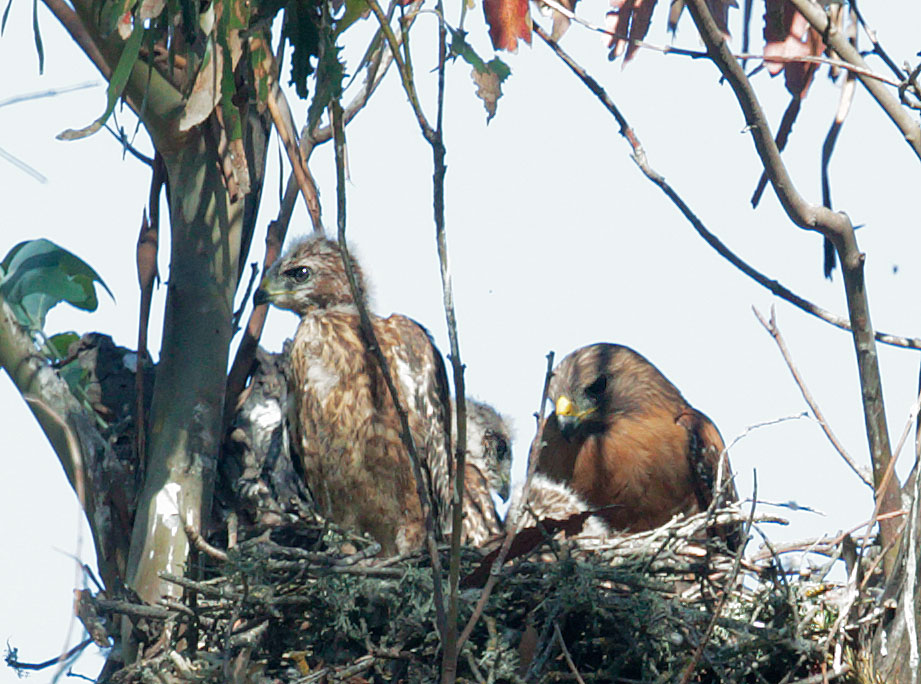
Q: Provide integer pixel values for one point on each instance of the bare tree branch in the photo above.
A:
(815, 14)
(74, 26)
(82, 451)
(450, 646)
(771, 327)
(375, 350)
(639, 156)
(741, 56)
(284, 124)
(848, 88)
(511, 526)
(405, 70)
(836, 227)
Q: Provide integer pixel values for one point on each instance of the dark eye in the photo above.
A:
(597, 388)
(298, 274)
(501, 448)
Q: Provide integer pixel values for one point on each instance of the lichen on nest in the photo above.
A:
(310, 603)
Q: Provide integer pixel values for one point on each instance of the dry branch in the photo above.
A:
(374, 348)
(815, 14)
(639, 156)
(837, 228)
(774, 331)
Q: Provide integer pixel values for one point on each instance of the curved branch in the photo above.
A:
(639, 156)
(837, 228)
(406, 77)
(83, 452)
(816, 16)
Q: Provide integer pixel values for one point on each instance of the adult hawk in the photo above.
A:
(487, 471)
(343, 422)
(626, 441)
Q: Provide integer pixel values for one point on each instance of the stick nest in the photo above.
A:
(305, 602)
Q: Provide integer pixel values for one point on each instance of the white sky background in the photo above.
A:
(556, 241)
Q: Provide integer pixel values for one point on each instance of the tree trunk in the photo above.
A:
(894, 649)
(187, 409)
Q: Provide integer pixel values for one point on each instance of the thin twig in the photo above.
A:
(405, 73)
(877, 46)
(639, 156)
(75, 27)
(835, 226)
(741, 56)
(828, 146)
(450, 646)
(736, 566)
(281, 116)
(15, 664)
(511, 527)
(572, 665)
(374, 348)
(823, 545)
(815, 14)
(774, 331)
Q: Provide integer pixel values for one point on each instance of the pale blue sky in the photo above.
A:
(556, 241)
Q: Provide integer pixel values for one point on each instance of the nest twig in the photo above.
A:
(634, 608)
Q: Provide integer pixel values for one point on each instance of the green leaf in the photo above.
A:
(461, 48)
(301, 29)
(38, 36)
(354, 10)
(60, 343)
(117, 84)
(330, 75)
(39, 275)
(499, 68)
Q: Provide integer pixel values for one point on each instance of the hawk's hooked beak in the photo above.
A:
(569, 417)
(262, 295)
(504, 487)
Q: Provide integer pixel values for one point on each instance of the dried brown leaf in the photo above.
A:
(206, 91)
(151, 9)
(489, 89)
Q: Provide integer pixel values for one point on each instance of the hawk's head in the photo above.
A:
(489, 445)
(309, 275)
(580, 410)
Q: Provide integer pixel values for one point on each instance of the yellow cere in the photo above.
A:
(564, 406)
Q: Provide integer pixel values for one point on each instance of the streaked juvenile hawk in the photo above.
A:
(626, 441)
(488, 470)
(344, 424)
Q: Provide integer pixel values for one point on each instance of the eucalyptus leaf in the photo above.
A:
(61, 342)
(39, 274)
(117, 84)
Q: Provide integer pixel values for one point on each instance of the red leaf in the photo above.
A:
(629, 19)
(718, 8)
(526, 541)
(787, 34)
(508, 21)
